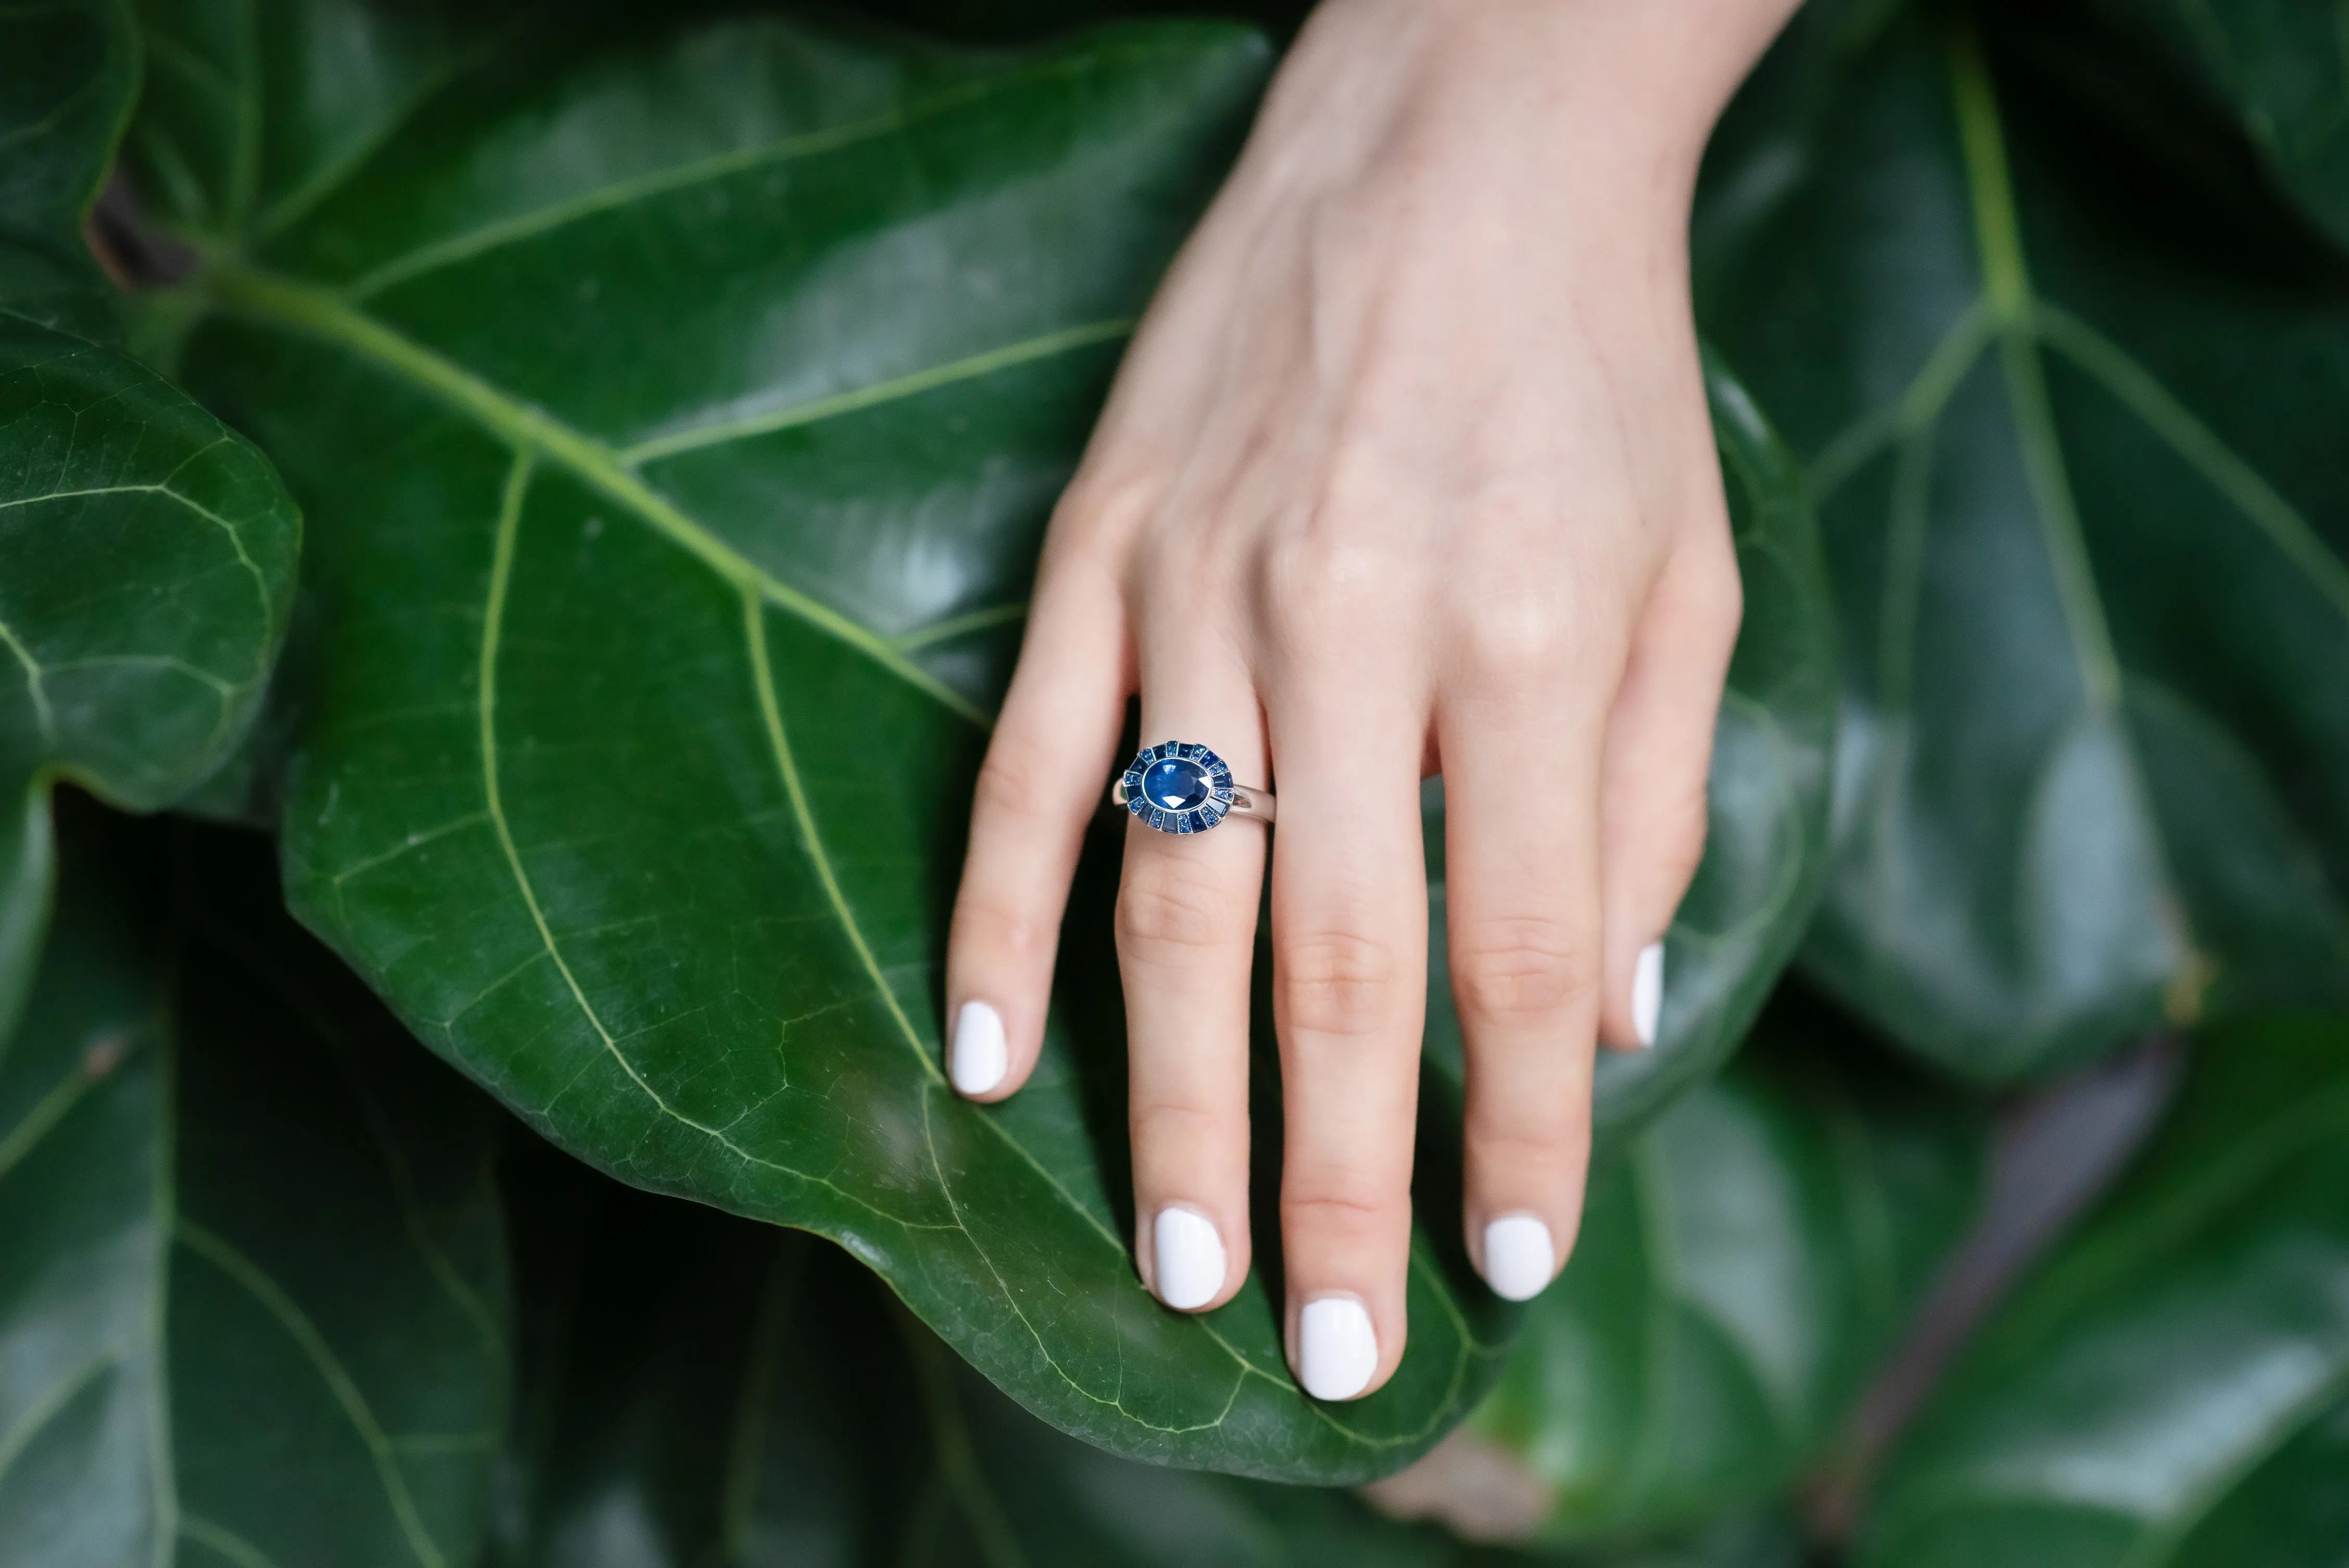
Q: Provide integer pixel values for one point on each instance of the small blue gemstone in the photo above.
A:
(1175, 784)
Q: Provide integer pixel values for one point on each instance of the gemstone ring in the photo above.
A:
(1180, 787)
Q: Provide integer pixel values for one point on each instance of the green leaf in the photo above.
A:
(2282, 68)
(146, 551)
(68, 75)
(681, 420)
(2172, 1388)
(1737, 1280)
(2076, 442)
(252, 1292)
(699, 1390)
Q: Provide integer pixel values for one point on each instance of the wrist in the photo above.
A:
(1644, 80)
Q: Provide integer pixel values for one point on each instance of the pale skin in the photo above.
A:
(1407, 471)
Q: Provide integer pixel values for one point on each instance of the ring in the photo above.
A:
(1180, 787)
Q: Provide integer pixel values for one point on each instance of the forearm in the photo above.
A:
(1620, 93)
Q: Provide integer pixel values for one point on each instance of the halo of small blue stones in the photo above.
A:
(1214, 801)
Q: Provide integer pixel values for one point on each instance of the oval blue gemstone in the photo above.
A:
(1175, 784)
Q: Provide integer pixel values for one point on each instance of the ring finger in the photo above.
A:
(1186, 914)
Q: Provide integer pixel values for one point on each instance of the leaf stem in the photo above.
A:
(2006, 283)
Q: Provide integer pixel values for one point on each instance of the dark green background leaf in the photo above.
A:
(699, 1390)
(68, 71)
(2282, 65)
(253, 1295)
(681, 420)
(2171, 1390)
(1738, 1277)
(2085, 517)
(146, 550)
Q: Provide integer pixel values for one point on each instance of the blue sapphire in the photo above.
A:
(1176, 784)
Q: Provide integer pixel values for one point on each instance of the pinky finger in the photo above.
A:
(1652, 792)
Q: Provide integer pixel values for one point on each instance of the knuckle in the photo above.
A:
(1334, 1205)
(1173, 1119)
(1507, 638)
(1003, 928)
(1338, 983)
(1687, 820)
(1522, 968)
(1716, 588)
(1103, 502)
(1013, 782)
(1321, 591)
(1166, 902)
(1534, 1142)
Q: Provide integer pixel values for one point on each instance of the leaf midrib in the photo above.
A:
(288, 303)
(2006, 283)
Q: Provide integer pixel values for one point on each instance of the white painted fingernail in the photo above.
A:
(1647, 992)
(1518, 1256)
(1337, 1348)
(976, 1058)
(1186, 1258)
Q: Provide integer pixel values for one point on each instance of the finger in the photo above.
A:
(1350, 983)
(1520, 730)
(1186, 914)
(1046, 770)
(1659, 750)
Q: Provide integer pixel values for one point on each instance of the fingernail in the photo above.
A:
(976, 1058)
(1186, 1258)
(1518, 1257)
(1337, 1348)
(1647, 992)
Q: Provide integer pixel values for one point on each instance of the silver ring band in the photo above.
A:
(1253, 804)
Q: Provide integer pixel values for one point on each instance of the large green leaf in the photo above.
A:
(2171, 1389)
(701, 1391)
(681, 419)
(2282, 65)
(253, 1302)
(1737, 1279)
(146, 551)
(2077, 441)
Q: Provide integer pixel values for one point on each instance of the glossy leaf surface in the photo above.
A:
(146, 550)
(1738, 1278)
(2172, 1388)
(680, 421)
(2076, 445)
(699, 1391)
(253, 1302)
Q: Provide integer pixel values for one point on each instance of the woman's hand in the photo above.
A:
(1408, 471)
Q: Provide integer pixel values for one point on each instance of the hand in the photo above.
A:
(1408, 471)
